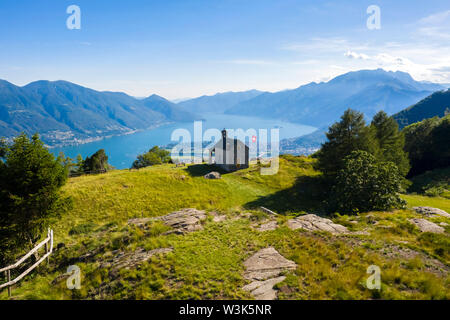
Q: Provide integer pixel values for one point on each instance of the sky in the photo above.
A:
(188, 48)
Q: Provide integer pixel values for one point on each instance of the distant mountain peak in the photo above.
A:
(319, 104)
(64, 112)
(218, 102)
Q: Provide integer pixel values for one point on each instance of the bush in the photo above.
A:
(153, 157)
(364, 185)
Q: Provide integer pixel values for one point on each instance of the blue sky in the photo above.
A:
(187, 48)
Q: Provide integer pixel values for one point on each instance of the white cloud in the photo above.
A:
(437, 18)
(436, 69)
(435, 26)
(354, 55)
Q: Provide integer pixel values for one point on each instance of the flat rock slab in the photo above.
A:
(128, 260)
(184, 221)
(427, 226)
(311, 222)
(263, 290)
(266, 263)
(265, 268)
(268, 226)
(429, 211)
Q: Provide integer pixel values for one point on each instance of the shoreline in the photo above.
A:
(79, 142)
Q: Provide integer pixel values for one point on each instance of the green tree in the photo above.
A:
(391, 141)
(153, 157)
(440, 144)
(419, 145)
(349, 134)
(364, 184)
(78, 166)
(66, 161)
(30, 193)
(98, 162)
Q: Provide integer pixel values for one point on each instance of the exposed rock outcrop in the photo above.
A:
(311, 222)
(429, 211)
(263, 290)
(265, 268)
(183, 221)
(427, 226)
(213, 175)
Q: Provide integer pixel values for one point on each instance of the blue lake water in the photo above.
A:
(123, 150)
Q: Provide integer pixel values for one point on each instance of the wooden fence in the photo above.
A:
(47, 242)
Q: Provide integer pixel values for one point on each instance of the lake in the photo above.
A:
(123, 150)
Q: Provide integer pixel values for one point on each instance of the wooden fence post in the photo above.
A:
(48, 242)
(47, 246)
(9, 279)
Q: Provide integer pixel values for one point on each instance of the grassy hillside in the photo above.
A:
(208, 264)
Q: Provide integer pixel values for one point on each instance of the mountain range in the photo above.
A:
(64, 113)
(218, 103)
(320, 104)
(437, 104)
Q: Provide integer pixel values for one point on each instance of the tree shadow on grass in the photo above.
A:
(198, 170)
(308, 194)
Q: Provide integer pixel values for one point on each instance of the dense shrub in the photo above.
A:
(365, 184)
(153, 157)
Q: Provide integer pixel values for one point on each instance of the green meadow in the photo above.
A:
(208, 264)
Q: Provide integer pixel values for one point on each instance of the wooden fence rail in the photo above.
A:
(47, 242)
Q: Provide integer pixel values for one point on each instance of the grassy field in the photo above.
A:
(208, 264)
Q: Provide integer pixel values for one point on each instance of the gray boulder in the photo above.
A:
(429, 211)
(264, 268)
(213, 175)
(183, 221)
(427, 226)
(311, 222)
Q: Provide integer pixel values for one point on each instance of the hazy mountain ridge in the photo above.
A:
(434, 105)
(437, 104)
(63, 112)
(217, 103)
(319, 104)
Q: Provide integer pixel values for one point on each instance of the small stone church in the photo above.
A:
(229, 154)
